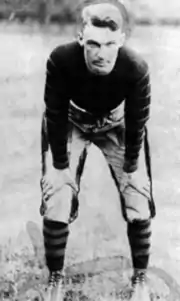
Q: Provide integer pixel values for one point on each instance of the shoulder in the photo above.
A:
(135, 65)
(64, 54)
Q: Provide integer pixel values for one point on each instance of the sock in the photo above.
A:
(55, 241)
(139, 235)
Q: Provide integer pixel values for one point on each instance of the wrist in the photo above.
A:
(130, 167)
(62, 170)
(61, 166)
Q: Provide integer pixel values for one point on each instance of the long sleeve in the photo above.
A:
(137, 111)
(57, 101)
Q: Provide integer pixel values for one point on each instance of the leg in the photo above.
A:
(135, 200)
(60, 205)
(60, 210)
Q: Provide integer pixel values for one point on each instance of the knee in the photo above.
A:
(136, 206)
(139, 214)
(59, 205)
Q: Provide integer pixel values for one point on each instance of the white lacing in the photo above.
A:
(55, 278)
(139, 277)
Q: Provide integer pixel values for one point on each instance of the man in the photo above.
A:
(97, 91)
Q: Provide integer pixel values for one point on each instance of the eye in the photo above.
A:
(111, 44)
(93, 44)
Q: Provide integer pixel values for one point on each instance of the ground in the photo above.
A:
(100, 229)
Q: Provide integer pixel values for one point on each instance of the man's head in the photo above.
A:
(101, 35)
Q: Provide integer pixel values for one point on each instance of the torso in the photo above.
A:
(98, 94)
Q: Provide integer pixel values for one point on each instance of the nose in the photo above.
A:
(102, 52)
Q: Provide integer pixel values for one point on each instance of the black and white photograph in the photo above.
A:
(89, 150)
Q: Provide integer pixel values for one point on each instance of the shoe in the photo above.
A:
(140, 290)
(54, 290)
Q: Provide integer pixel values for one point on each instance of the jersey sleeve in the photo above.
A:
(56, 100)
(137, 113)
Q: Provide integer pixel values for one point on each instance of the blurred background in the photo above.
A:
(29, 30)
(46, 11)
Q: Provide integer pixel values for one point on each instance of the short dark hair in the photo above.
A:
(120, 4)
(106, 22)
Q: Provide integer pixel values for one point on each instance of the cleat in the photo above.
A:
(140, 290)
(54, 291)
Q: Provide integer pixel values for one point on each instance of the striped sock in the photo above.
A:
(55, 241)
(139, 234)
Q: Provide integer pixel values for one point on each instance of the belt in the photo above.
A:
(90, 123)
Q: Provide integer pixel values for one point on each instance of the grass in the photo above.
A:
(23, 54)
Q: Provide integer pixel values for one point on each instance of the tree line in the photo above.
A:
(44, 11)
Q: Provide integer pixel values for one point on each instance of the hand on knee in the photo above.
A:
(54, 181)
(59, 205)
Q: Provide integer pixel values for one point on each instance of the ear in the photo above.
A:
(80, 38)
(122, 39)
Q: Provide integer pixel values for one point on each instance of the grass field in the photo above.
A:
(23, 53)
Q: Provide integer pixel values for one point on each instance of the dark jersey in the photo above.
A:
(69, 79)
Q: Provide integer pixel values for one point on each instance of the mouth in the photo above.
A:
(99, 64)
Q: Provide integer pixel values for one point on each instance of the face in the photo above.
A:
(101, 46)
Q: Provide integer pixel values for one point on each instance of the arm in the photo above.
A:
(57, 101)
(137, 110)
